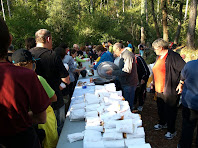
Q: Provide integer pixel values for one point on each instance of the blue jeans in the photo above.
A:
(60, 117)
(129, 94)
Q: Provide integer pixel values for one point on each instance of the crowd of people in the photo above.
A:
(35, 80)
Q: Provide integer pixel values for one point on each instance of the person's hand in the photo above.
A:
(91, 66)
(109, 72)
(179, 88)
(61, 88)
(142, 82)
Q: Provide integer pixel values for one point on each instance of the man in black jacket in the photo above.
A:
(166, 72)
(143, 75)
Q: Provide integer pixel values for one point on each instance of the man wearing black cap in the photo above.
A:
(20, 92)
(50, 66)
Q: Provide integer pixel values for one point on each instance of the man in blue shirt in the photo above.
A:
(188, 86)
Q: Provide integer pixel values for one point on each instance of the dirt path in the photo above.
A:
(150, 118)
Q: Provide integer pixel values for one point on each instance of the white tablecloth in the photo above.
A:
(74, 126)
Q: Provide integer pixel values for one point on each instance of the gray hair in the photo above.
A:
(41, 35)
(75, 46)
(118, 46)
(160, 43)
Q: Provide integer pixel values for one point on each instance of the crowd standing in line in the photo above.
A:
(42, 92)
(20, 92)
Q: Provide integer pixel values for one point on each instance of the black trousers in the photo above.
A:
(189, 124)
(25, 139)
(167, 114)
(140, 94)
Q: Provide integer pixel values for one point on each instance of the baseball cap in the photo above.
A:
(22, 55)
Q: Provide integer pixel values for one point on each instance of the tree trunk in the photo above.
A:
(155, 20)
(3, 10)
(192, 25)
(164, 19)
(186, 10)
(158, 6)
(91, 6)
(179, 24)
(101, 5)
(115, 4)
(146, 11)
(107, 7)
(143, 21)
(123, 4)
(9, 11)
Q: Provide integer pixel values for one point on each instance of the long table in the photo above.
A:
(71, 127)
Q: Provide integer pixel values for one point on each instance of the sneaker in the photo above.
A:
(168, 135)
(140, 108)
(159, 126)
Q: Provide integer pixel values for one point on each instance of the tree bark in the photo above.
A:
(186, 10)
(155, 20)
(143, 21)
(101, 5)
(158, 6)
(164, 19)
(107, 7)
(9, 11)
(192, 25)
(3, 10)
(179, 24)
(123, 5)
(146, 11)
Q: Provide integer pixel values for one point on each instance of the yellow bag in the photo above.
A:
(98, 59)
(50, 127)
(149, 81)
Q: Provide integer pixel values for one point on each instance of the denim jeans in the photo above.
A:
(60, 117)
(129, 94)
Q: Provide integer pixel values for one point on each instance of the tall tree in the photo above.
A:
(179, 23)
(107, 7)
(155, 20)
(186, 10)
(146, 11)
(3, 10)
(164, 19)
(143, 21)
(123, 5)
(9, 11)
(192, 25)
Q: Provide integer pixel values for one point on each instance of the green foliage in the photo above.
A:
(78, 21)
(25, 21)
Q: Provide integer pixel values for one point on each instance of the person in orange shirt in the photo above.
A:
(166, 72)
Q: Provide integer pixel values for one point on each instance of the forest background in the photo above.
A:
(97, 21)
